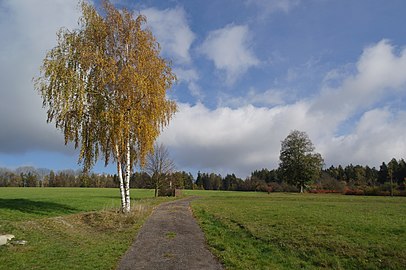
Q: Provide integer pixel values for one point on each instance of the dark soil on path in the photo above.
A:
(170, 239)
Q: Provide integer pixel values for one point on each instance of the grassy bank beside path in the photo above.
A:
(69, 228)
(18, 204)
(311, 231)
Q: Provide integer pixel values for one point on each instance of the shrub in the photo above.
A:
(166, 192)
(372, 191)
(329, 183)
(288, 188)
(274, 187)
(323, 191)
(354, 192)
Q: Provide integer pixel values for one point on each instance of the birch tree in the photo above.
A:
(104, 85)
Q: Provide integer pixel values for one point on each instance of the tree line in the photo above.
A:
(40, 177)
(33, 177)
(350, 179)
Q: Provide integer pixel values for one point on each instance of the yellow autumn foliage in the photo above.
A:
(105, 86)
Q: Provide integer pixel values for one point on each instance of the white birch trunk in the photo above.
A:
(120, 178)
(127, 179)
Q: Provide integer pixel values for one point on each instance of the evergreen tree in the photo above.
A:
(383, 173)
(199, 180)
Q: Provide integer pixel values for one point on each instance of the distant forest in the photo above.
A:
(388, 179)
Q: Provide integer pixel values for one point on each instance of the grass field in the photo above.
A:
(292, 231)
(69, 228)
(72, 228)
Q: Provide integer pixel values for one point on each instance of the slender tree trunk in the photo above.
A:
(127, 165)
(301, 188)
(122, 188)
(120, 178)
(127, 179)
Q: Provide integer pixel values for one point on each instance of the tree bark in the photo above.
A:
(120, 177)
(127, 179)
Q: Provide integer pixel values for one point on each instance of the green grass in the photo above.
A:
(69, 228)
(17, 204)
(292, 231)
(170, 235)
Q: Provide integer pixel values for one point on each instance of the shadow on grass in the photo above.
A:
(133, 197)
(36, 207)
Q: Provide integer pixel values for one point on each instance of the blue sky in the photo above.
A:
(249, 72)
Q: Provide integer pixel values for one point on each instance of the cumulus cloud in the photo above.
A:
(28, 29)
(379, 72)
(171, 28)
(378, 136)
(232, 140)
(230, 50)
(247, 137)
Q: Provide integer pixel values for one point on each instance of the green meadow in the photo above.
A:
(311, 231)
(69, 228)
(79, 228)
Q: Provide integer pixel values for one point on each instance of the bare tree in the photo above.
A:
(158, 166)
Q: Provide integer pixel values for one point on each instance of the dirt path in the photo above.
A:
(170, 239)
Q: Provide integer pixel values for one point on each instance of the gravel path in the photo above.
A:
(170, 239)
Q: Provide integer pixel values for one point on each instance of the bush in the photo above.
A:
(323, 191)
(327, 182)
(166, 192)
(275, 187)
(375, 191)
(289, 188)
(354, 192)
(372, 191)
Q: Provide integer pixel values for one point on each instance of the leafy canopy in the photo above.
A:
(299, 164)
(104, 85)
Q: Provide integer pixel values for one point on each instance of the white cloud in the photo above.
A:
(377, 137)
(246, 138)
(232, 140)
(270, 97)
(230, 50)
(270, 6)
(190, 77)
(28, 29)
(379, 72)
(171, 28)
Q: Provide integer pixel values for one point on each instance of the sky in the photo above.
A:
(249, 72)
